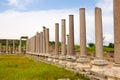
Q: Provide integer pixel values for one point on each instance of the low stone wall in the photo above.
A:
(69, 63)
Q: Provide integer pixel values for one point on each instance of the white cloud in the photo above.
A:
(19, 3)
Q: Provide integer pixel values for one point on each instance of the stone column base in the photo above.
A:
(83, 64)
(62, 61)
(71, 62)
(114, 73)
(56, 59)
(99, 66)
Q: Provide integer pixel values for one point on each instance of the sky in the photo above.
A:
(26, 17)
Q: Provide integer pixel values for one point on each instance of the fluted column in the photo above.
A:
(63, 31)
(71, 34)
(56, 39)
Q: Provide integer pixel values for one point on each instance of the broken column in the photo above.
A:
(114, 73)
(99, 64)
(83, 60)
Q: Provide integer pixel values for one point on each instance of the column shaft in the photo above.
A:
(57, 39)
(117, 31)
(7, 46)
(13, 46)
(20, 45)
(44, 40)
(98, 33)
(68, 45)
(41, 42)
(47, 40)
(71, 34)
(82, 32)
(63, 37)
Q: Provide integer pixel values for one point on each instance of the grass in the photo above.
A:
(14, 67)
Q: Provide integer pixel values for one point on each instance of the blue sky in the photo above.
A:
(26, 17)
(30, 5)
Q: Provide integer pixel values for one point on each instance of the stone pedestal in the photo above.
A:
(71, 61)
(56, 59)
(62, 61)
(83, 64)
(99, 66)
(114, 73)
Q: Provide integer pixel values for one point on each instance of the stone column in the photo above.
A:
(82, 33)
(56, 39)
(13, 46)
(7, 46)
(71, 34)
(0, 47)
(34, 44)
(117, 31)
(44, 40)
(83, 60)
(47, 40)
(114, 73)
(68, 45)
(99, 64)
(37, 42)
(27, 45)
(20, 44)
(63, 37)
(41, 42)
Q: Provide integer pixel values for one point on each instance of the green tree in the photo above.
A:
(111, 45)
(91, 45)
